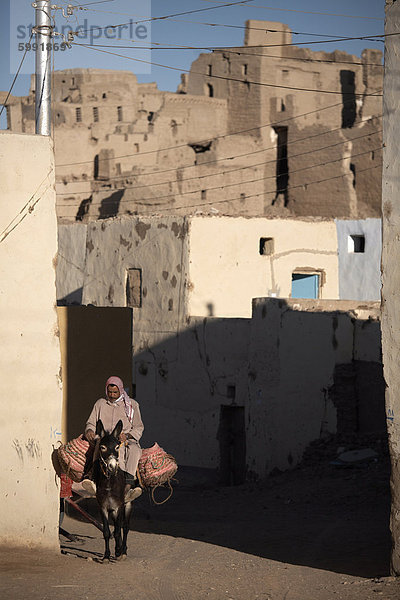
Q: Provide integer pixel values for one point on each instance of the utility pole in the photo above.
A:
(43, 32)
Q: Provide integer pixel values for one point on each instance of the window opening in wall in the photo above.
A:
(136, 147)
(78, 115)
(72, 81)
(372, 155)
(209, 70)
(285, 73)
(282, 165)
(96, 167)
(356, 244)
(119, 113)
(203, 194)
(4, 120)
(174, 127)
(210, 90)
(134, 288)
(244, 69)
(266, 247)
(95, 114)
(349, 108)
(305, 285)
(242, 197)
(104, 95)
(353, 170)
(283, 106)
(232, 442)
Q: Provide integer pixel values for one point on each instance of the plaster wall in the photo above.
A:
(295, 348)
(156, 246)
(227, 270)
(390, 261)
(282, 364)
(71, 263)
(360, 272)
(30, 342)
(285, 364)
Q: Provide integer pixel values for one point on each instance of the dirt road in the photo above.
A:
(316, 533)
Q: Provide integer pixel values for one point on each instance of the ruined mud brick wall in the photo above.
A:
(222, 143)
(338, 140)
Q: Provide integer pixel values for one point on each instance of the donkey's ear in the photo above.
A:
(117, 430)
(100, 428)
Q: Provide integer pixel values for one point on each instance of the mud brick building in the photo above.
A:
(265, 129)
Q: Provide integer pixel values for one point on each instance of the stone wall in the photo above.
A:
(31, 364)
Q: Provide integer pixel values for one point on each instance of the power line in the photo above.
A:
(27, 209)
(223, 136)
(222, 187)
(307, 12)
(245, 81)
(166, 17)
(16, 76)
(248, 196)
(251, 166)
(239, 52)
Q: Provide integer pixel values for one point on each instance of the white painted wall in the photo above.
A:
(360, 273)
(227, 270)
(31, 398)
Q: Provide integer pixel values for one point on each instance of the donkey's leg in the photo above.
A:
(117, 516)
(126, 516)
(106, 533)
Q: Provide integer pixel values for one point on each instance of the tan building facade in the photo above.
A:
(31, 400)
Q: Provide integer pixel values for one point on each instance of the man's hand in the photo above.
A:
(122, 437)
(90, 435)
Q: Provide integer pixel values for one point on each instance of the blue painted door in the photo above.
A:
(305, 286)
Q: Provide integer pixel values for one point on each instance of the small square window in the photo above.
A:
(356, 244)
(266, 246)
(78, 115)
(95, 114)
(134, 288)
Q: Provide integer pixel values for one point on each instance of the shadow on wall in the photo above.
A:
(95, 343)
(265, 387)
(228, 392)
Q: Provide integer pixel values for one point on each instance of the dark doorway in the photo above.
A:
(349, 109)
(232, 445)
(282, 165)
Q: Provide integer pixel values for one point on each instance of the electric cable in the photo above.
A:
(223, 77)
(221, 187)
(238, 52)
(16, 75)
(222, 136)
(251, 166)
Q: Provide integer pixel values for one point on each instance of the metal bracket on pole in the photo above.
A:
(44, 32)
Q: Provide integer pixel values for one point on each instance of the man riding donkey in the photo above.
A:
(117, 405)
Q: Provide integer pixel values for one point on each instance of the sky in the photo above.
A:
(215, 25)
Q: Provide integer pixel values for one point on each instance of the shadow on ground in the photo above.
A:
(317, 515)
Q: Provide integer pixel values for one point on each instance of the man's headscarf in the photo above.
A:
(117, 381)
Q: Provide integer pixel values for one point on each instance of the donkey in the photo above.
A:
(110, 490)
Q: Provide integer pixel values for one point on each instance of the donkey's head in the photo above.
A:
(109, 447)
